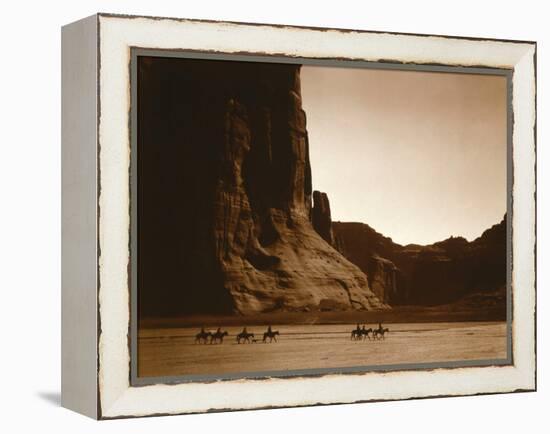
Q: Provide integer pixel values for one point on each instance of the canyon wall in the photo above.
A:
(225, 197)
(440, 273)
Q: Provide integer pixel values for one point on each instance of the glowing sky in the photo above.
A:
(418, 156)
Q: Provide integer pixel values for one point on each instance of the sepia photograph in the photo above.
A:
(277, 218)
(295, 218)
(262, 216)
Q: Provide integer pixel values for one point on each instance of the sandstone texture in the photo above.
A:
(444, 272)
(225, 205)
(321, 218)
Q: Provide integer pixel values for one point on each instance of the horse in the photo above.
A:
(365, 332)
(271, 335)
(202, 336)
(356, 334)
(360, 333)
(380, 332)
(218, 337)
(244, 336)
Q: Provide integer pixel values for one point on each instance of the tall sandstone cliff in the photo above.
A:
(225, 195)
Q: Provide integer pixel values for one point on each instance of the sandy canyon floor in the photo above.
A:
(173, 351)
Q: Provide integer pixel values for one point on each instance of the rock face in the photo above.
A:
(374, 254)
(320, 216)
(440, 273)
(225, 212)
(383, 278)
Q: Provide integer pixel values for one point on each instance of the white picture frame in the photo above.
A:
(96, 152)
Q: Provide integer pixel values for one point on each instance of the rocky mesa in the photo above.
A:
(444, 272)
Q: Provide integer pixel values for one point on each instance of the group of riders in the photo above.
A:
(244, 337)
(205, 336)
(361, 332)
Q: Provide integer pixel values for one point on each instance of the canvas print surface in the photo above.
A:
(300, 219)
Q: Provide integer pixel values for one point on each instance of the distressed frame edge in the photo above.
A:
(315, 28)
(79, 267)
(528, 385)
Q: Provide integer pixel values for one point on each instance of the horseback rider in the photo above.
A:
(269, 329)
(202, 335)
